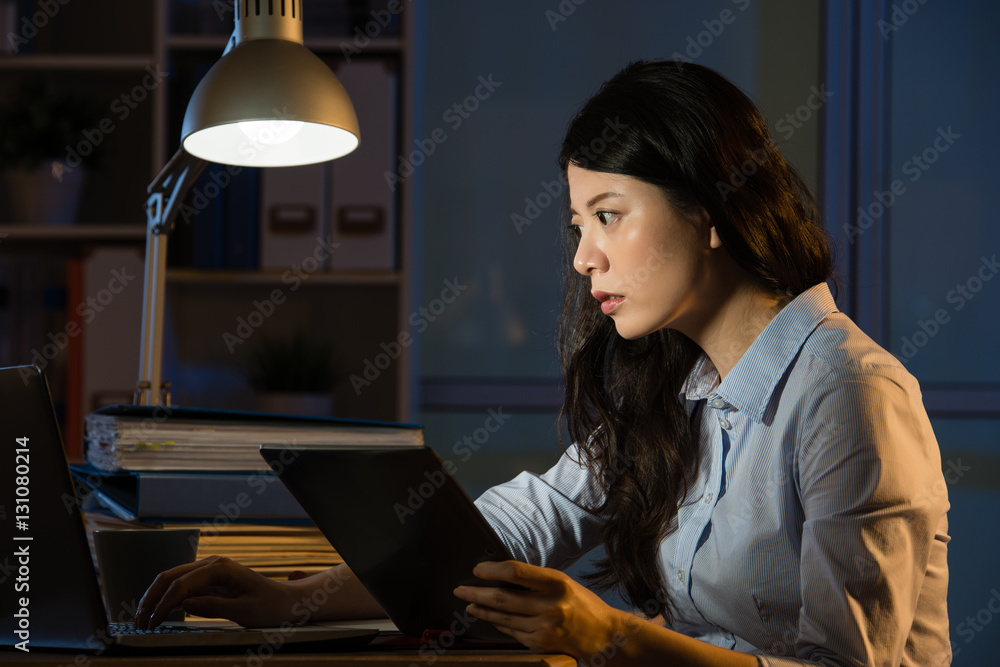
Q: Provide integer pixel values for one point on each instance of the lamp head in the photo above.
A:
(269, 102)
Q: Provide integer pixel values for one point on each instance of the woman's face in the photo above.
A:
(648, 266)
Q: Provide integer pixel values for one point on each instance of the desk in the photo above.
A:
(455, 658)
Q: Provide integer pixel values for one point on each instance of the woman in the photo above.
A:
(762, 475)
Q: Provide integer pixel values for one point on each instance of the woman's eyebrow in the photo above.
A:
(597, 198)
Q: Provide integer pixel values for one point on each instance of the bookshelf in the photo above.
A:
(69, 239)
(138, 62)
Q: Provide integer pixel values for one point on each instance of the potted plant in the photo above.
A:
(39, 132)
(292, 375)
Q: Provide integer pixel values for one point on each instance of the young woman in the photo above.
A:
(762, 475)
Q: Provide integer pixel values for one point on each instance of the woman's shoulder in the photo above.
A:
(839, 351)
(843, 377)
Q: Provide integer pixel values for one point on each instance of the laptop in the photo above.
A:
(49, 592)
(403, 525)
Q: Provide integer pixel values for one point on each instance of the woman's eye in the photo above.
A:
(574, 230)
(606, 217)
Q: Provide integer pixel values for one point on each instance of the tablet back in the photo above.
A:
(402, 524)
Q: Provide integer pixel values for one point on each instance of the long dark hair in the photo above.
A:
(695, 135)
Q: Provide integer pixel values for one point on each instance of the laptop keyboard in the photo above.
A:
(129, 629)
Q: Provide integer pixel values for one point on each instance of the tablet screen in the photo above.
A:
(403, 525)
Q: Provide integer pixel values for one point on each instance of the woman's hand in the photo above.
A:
(217, 587)
(555, 614)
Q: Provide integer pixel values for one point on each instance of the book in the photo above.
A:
(73, 427)
(275, 551)
(190, 495)
(135, 437)
(208, 222)
(243, 220)
(111, 285)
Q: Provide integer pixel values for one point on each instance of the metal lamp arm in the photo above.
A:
(166, 192)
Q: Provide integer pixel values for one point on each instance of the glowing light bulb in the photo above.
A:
(270, 132)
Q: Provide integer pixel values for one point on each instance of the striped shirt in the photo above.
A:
(815, 531)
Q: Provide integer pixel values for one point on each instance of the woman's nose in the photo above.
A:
(589, 257)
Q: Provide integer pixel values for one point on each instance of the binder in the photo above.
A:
(187, 496)
(362, 210)
(292, 213)
(347, 202)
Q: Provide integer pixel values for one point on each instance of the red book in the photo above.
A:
(73, 426)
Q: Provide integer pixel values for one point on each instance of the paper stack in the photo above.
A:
(188, 467)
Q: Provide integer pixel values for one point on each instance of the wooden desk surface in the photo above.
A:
(455, 658)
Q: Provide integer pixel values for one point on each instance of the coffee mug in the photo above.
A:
(129, 560)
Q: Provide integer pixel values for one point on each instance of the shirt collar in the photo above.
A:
(701, 381)
(752, 381)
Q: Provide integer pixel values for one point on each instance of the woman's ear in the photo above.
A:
(704, 221)
(713, 240)
(713, 235)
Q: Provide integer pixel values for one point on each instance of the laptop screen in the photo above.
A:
(50, 597)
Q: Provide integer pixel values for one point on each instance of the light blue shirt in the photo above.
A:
(816, 527)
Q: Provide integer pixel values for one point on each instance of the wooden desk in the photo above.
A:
(455, 658)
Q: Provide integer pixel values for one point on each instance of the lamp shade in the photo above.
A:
(269, 103)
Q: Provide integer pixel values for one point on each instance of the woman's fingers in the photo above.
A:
(156, 589)
(515, 572)
(506, 621)
(552, 612)
(213, 606)
(172, 587)
(543, 587)
(501, 599)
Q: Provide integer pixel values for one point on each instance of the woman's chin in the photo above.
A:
(631, 332)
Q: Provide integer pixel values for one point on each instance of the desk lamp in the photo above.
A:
(268, 102)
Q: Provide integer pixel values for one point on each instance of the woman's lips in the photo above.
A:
(609, 302)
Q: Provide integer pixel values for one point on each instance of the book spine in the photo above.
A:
(243, 220)
(208, 225)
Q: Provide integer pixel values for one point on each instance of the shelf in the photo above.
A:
(82, 233)
(104, 54)
(378, 45)
(77, 62)
(196, 42)
(67, 239)
(324, 44)
(265, 277)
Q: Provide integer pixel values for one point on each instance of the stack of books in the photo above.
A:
(188, 467)
(276, 551)
(135, 437)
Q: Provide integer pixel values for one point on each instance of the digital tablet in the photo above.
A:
(402, 524)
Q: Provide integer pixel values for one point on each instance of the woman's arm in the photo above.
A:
(522, 511)
(218, 587)
(873, 565)
(550, 519)
(556, 614)
(333, 595)
(874, 543)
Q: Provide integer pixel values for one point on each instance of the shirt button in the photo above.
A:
(680, 576)
(708, 497)
(718, 403)
(724, 423)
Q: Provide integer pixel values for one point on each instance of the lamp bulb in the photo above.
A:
(270, 132)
